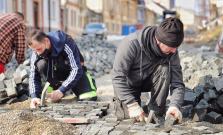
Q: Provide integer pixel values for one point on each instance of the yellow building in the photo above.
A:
(117, 13)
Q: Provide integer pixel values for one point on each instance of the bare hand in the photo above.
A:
(57, 94)
(175, 112)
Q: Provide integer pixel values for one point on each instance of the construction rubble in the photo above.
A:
(202, 108)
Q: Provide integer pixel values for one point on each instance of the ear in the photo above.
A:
(47, 40)
(157, 41)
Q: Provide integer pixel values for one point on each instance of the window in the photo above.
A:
(113, 27)
(112, 4)
(24, 8)
(117, 7)
(3, 6)
(106, 4)
(14, 5)
(73, 18)
(53, 10)
(117, 28)
(80, 21)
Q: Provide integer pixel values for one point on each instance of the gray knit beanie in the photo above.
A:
(170, 32)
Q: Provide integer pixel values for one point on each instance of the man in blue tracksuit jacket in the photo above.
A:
(56, 58)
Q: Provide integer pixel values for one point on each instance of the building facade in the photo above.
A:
(73, 16)
(40, 14)
(117, 13)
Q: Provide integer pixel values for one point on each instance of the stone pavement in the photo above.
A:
(103, 121)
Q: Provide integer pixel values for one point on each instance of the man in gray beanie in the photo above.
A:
(148, 61)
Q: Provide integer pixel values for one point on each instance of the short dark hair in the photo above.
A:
(37, 35)
(20, 15)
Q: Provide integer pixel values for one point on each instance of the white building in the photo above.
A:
(42, 14)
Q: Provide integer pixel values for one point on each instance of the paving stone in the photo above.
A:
(23, 98)
(138, 127)
(213, 106)
(74, 111)
(22, 90)
(110, 124)
(78, 106)
(2, 76)
(123, 127)
(11, 92)
(24, 74)
(210, 95)
(151, 125)
(209, 83)
(131, 132)
(91, 114)
(83, 114)
(90, 132)
(170, 121)
(82, 102)
(64, 112)
(213, 117)
(10, 83)
(199, 91)
(186, 110)
(116, 132)
(26, 62)
(67, 116)
(105, 130)
(111, 120)
(95, 127)
(189, 98)
(12, 100)
(9, 72)
(39, 112)
(93, 117)
(68, 106)
(202, 104)
(48, 109)
(58, 108)
(92, 102)
(219, 85)
(25, 82)
(2, 84)
(198, 114)
(100, 122)
(57, 116)
(220, 101)
(103, 104)
(3, 93)
(17, 77)
(128, 121)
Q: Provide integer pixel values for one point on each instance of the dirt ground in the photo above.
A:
(26, 123)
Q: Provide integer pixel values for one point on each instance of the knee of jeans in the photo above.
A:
(41, 65)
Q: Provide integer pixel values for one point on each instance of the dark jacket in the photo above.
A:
(136, 58)
(60, 45)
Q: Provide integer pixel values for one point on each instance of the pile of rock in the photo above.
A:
(203, 77)
(98, 54)
(14, 84)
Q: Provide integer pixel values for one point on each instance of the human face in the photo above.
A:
(39, 47)
(166, 49)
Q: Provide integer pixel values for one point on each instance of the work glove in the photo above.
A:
(136, 112)
(175, 112)
(34, 102)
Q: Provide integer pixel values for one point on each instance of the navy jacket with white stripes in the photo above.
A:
(60, 44)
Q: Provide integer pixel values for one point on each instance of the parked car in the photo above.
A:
(96, 30)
